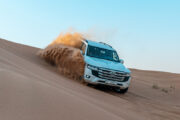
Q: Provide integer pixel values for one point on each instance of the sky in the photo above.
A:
(146, 34)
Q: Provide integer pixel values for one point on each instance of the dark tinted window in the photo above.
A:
(102, 53)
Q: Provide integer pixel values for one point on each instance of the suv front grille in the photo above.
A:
(111, 75)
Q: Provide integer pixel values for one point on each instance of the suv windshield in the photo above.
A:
(102, 53)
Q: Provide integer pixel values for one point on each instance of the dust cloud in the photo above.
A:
(64, 52)
(69, 39)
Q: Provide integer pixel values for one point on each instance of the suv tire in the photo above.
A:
(119, 90)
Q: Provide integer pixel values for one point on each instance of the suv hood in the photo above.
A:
(106, 64)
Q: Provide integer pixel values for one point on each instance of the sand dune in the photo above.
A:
(31, 89)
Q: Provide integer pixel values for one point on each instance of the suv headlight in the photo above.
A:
(92, 67)
(127, 74)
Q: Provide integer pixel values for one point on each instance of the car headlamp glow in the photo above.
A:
(92, 67)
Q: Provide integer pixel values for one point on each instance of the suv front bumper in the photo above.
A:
(90, 78)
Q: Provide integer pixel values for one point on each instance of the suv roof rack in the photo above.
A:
(105, 44)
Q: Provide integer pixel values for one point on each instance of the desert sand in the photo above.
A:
(32, 89)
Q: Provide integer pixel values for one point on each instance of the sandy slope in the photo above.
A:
(31, 89)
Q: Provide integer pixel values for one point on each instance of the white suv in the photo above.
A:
(104, 67)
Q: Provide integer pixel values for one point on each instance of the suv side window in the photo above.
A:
(83, 48)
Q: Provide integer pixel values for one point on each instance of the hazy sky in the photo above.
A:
(145, 33)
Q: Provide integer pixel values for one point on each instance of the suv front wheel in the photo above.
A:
(119, 90)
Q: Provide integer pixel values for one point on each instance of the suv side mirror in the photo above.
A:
(121, 61)
(82, 52)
